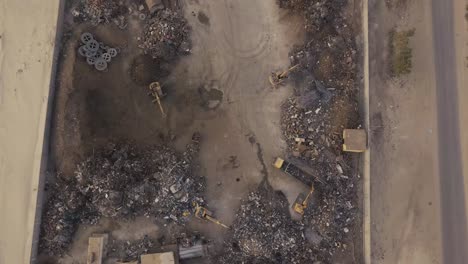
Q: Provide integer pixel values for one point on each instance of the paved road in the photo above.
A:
(454, 233)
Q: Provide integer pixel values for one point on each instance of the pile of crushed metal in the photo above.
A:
(99, 11)
(325, 101)
(166, 32)
(119, 250)
(166, 35)
(120, 182)
(263, 232)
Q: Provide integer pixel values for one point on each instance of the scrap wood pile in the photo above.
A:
(120, 182)
(166, 35)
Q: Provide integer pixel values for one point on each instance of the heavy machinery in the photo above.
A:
(157, 93)
(276, 78)
(205, 214)
(302, 200)
(294, 170)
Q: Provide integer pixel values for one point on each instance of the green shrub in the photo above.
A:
(400, 52)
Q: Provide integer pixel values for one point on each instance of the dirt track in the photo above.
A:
(236, 49)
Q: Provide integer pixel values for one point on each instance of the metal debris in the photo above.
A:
(99, 11)
(324, 103)
(166, 34)
(121, 182)
(96, 53)
(263, 232)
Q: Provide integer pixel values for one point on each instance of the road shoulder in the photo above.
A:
(405, 225)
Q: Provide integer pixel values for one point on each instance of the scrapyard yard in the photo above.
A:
(136, 163)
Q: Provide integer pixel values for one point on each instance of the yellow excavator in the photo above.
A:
(276, 78)
(205, 214)
(302, 200)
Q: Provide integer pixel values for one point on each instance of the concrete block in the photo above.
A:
(96, 248)
(158, 258)
(355, 140)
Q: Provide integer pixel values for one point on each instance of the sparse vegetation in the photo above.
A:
(400, 52)
(399, 4)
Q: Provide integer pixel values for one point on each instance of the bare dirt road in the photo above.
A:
(26, 59)
(236, 46)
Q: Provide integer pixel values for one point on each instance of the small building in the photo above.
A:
(158, 258)
(355, 140)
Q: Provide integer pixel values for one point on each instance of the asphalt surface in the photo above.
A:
(454, 234)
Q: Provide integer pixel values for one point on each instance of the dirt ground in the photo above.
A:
(405, 201)
(235, 47)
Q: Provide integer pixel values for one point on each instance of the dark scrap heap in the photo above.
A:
(120, 182)
(99, 11)
(324, 103)
(166, 35)
(326, 87)
(263, 232)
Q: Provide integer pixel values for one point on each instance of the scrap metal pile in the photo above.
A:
(263, 232)
(128, 251)
(166, 35)
(120, 182)
(99, 11)
(96, 53)
(325, 96)
(324, 103)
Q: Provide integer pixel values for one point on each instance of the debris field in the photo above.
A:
(121, 180)
(166, 35)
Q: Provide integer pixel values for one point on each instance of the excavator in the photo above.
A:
(205, 214)
(157, 93)
(276, 78)
(302, 200)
